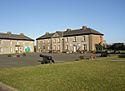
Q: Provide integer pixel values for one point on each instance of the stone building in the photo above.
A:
(78, 40)
(15, 43)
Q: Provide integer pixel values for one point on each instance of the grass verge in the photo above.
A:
(71, 76)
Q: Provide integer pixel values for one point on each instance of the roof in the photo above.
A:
(46, 36)
(83, 31)
(60, 33)
(10, 36)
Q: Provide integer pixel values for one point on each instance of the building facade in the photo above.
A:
(78, 40)
(14, 43)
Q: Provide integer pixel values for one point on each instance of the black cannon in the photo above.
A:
(46, 59)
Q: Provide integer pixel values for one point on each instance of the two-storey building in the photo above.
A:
(78, 40)
(15, 43)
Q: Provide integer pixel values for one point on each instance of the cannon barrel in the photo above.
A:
(47, 57)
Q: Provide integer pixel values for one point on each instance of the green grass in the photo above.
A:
(70, 76)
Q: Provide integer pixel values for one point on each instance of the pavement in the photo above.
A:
(32, 59)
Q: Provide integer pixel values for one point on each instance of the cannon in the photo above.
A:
(46, 59)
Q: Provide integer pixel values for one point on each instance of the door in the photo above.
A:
(74, 48)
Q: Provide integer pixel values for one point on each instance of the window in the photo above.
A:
(43, 41)
(54, 40)
(48, 41)
(74, 39)
(66, 47)
(54, 47)
(66, 39)
(84, 39)
(58, 47)
(58, 40)
(85, 47)
(43, 47)
(48, 48)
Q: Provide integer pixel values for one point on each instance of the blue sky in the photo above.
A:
(35, 17)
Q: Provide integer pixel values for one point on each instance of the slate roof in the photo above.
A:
(60, 33)
(83, 31)
(10, 36)
(46, 36)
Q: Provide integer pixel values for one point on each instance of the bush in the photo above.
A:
(104, 54)
(24, 54)
(122, 56)
(18, 55)
(81, 57)
(9, 55)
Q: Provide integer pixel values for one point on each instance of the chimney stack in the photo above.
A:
(84, 27)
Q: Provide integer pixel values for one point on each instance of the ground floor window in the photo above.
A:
(54, 47)
(66, 47)
(58, 47)
(48, 48)
(85, 47)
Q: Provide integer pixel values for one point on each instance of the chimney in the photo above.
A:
(84, 27)
(68, 30)
(9, 33)
(21, 34)
(47, 33)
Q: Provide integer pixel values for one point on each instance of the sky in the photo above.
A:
(36, 17)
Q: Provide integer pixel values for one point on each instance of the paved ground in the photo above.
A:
(32, 59)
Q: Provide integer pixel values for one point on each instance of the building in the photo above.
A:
(15, 43)
(78, 40)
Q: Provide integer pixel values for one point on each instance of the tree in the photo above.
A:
(99, 47)
(117, 47)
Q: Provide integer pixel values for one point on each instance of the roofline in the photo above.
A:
(71, 35)
(82, 34)
(18, 39)
(43, 38)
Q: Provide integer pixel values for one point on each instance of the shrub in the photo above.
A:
(9, 55)
(122, 56)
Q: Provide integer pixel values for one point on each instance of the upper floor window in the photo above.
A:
(74, 39)
(54, 41)
(48, 41)
(66, 39)
(84, 38)
(43, 41)
(58, 40)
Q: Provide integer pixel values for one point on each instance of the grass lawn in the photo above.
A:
(95, 75)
